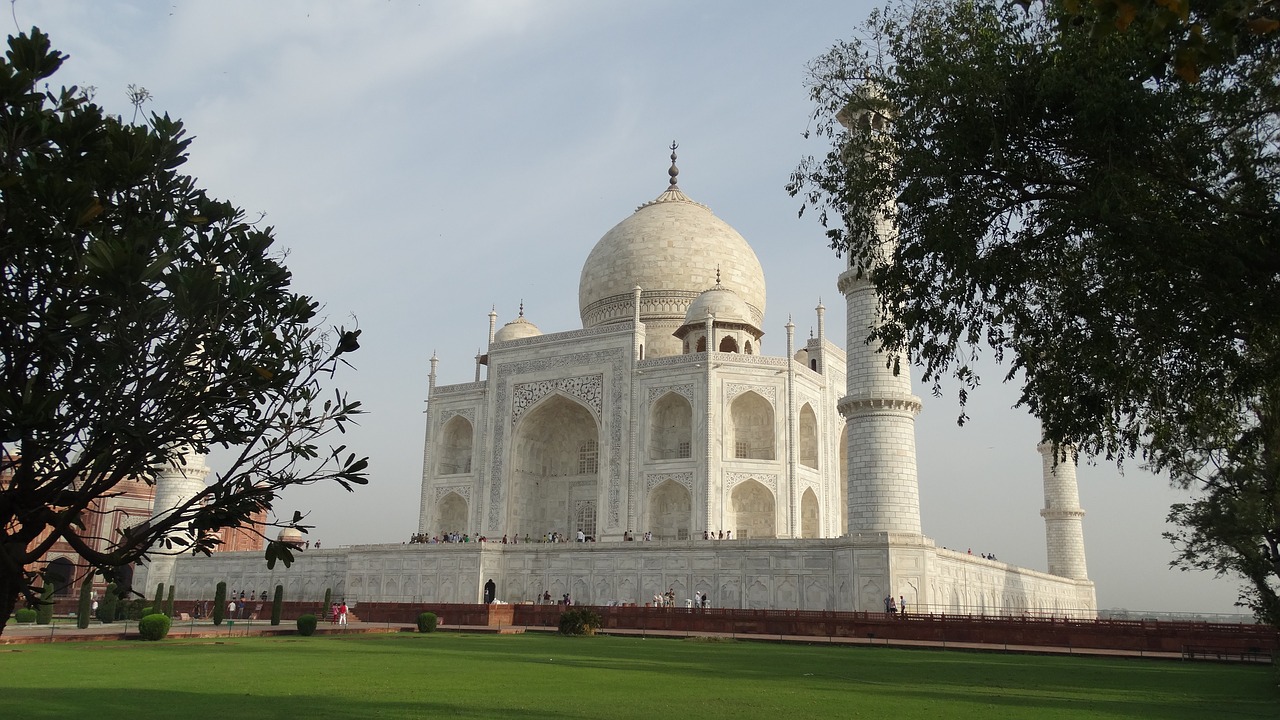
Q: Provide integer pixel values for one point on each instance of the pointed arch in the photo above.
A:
(60, 573)
(747, 348)
(702, 344)
(455, 446)
(451, 514)
(810, 516)
(729, 344)
(751, 427)
(556, 461)
(753, 509)
(670, 511)
(671, 428)
(808, 437)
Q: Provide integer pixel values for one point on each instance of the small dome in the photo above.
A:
(802, 357)
(290, 536)
(723, 303)
(516, 329)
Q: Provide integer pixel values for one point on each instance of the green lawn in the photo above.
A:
(558, 678)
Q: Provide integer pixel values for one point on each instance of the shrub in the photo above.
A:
(328, 600)
(85, 609)
(306, 625)
(158, 603)
(168, 604)
(154, 626)
(427, 622)
(107, 608)
(25, 616)
(277, 605)
(220, 603)
(44, 612)
(579, 621)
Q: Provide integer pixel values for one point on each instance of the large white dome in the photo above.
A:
(671, 248)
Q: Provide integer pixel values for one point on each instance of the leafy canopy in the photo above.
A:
(142, 323)
(1068, 200)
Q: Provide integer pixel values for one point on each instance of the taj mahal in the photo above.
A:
(656, 429)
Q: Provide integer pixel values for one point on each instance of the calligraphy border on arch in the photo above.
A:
(587, 388)
(733, 390)
(464, 491)
(686, 390)
(653, 480)
(468, 413)
(770, 481)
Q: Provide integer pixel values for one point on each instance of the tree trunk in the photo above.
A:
(10, 589)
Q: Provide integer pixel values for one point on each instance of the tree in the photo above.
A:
(1073, 203)
(142, 322)
(85, 608)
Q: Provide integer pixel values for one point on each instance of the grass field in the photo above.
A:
(553, 677)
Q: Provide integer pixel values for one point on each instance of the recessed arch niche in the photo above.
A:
(670, 428)
(808, 437)
(753, 511)
(810, 517)
(556, 459)
(455, 446)
(751, 427)
(670, 510)
(452, 514)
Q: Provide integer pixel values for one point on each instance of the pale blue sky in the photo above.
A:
(424, 161)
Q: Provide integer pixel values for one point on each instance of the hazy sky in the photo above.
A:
(424, 161)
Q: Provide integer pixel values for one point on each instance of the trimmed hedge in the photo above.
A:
(168, 604)
(25, 616)
(85, 609)
(220, 603)
(154, 626)
(427, 622)
(277, 605)
(306, 625)
(107, 608)
(44, 612)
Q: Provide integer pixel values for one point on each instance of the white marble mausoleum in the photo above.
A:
(662, 415)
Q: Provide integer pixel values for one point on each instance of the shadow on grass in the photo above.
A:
(133, 704)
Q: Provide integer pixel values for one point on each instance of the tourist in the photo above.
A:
(902, 606)
(582, 537)
(231, 609)
(342, 613)
(705, 602)
(333, 613)
(728, 534)
(888, 601)
(893, 607)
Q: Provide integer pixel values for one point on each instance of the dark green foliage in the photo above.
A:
(306, 624)
(427, 622)
(154, 626)
(1091, 209)
(328, 599)
(119, 271)
(277, 605)
(85, 609)
(107, 608)
(579, 621)
(220, 603)
(44, 611)
(26, 616)
(168, 603)
(157, 605)
(133, 609)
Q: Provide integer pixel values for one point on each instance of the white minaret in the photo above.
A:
(175, 485)
(883, 489)
(1063, 517)
(424, 509)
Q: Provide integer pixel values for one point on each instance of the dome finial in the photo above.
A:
(674, 172)
(717, 274)
(521, 307)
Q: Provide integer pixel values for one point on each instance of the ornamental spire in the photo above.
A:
(674, 172)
